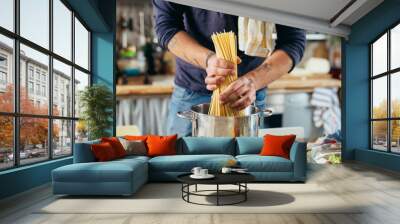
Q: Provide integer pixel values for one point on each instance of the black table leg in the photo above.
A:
(220, 193)
(245, 193)
(217, 194)
(188, 190)
(182, 189)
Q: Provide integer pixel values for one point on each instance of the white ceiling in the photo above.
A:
(326, 16)
(313, 8)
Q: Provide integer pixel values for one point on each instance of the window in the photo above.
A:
(62, 74)
(81, 82)
(6, 142)
(3, 72)
(62, 137)
(38, 74)
(81, 45)
(44, 91)
(55, 101)
(35, 21)
(40, 63)
(395, 47)
(385, 92)
(38, 89)
(3, 61)
(3, 78)
(7, 14)
(30, 87)
(49, 80)
(6, 73)
(62, 29)
(30, 72)
(33, 140)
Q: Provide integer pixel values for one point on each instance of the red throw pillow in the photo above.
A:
(116, 145)
(277, 145)
(103, 152)
(161, 145)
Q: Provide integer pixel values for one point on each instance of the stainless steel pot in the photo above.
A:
(214, 126)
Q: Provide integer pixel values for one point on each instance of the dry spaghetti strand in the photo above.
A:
(225, 48)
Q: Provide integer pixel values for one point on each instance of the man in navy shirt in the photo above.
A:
(186, 31)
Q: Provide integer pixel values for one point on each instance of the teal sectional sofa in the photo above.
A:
(125, 176)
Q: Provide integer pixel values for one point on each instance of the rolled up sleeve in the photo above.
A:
(292, 41)
(168, 19)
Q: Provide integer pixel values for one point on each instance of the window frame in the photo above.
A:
(16, 115)
(388, 74)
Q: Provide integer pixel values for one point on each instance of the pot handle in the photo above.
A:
(266, 112)
(185, 114)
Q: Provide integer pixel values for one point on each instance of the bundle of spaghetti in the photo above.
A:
(225, 48)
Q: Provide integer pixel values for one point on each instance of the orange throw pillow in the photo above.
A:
(277, 145)
(116, 145)
(161, 145)
(135, 138)
(103, 152)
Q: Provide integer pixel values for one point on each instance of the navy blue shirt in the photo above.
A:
(200, 24)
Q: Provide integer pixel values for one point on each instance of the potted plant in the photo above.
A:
(96, 104)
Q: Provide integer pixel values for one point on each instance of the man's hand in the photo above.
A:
(239, 94)
(217, 70)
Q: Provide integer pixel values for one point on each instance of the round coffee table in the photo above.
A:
(238, 179)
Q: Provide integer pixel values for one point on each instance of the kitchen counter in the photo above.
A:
(163, 85)
(146, 106)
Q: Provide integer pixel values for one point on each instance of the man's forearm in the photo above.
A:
(276, 65)
(188, 49)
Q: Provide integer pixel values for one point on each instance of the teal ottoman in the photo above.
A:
(118, 177)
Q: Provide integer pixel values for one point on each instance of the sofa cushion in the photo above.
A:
(136, 138)
(257, 163)
(185, 163)
(116, 145)
(248, 145)
(207, 145)
(112, 171)
(134, 147)
(83, 152)
(133, 158)
(161, 145)
(103, 152)
(275, 145)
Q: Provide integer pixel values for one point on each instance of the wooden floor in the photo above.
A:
(379, 189)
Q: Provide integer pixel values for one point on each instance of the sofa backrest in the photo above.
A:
(83, 152)
(206, 145)
(191, 146)
(249, 145)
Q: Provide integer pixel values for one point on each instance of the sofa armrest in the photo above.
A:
(298, 155)
(83, 152)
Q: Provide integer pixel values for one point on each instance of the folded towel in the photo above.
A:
(326, 109)
(255, 37)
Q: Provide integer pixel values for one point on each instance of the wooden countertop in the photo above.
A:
(128, 90)
(288, 83)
